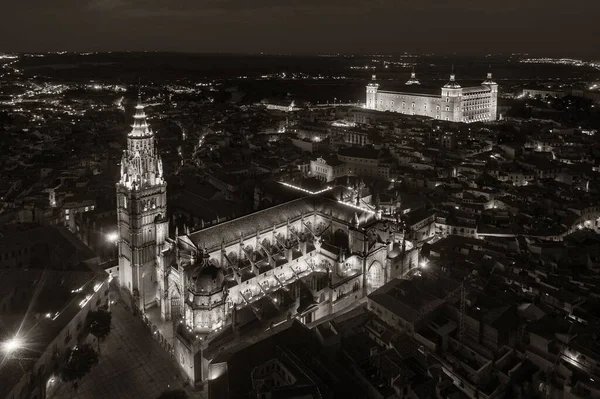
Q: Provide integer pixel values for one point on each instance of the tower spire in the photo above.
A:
(140, 126)
(141, 165)
(452, 84)
(413, 78)
(488, 79)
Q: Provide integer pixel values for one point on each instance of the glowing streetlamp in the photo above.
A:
(112, 237)
(423, 264)
(12, 345)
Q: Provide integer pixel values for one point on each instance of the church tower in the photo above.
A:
(141, 213)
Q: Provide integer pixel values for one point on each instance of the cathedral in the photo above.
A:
(303, 259)
(450, 103)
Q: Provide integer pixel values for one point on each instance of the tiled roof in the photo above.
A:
(264, 220)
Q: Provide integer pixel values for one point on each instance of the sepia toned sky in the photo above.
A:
(553, 27)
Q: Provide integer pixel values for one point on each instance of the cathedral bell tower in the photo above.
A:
(141, 213)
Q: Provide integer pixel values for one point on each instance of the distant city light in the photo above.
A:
(112, 237)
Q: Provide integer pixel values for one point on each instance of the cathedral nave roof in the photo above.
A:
(264, 220)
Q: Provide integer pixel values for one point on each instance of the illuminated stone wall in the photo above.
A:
(408, 104)
(470, 104)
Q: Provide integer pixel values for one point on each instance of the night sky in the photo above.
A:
(553, 27)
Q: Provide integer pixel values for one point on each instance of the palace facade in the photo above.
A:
(451, 103)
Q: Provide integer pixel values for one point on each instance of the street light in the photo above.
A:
(112, 237)
(12, 344)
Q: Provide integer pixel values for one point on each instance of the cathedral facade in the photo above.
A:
(450, 103)
(306, 258)
(303, 259)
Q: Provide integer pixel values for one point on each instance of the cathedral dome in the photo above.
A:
(206, 279)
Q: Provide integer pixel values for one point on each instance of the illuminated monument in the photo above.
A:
(141, 213)
(303, 259)
(451, 103)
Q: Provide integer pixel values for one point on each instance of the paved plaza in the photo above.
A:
(132, 365)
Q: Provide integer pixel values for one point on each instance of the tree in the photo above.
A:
(173, 394)
(99, 323)
(78, 362)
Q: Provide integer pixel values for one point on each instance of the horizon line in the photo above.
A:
(304, 54)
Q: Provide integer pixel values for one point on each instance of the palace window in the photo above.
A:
(447, 108)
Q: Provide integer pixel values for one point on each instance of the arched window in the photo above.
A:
(376, 276)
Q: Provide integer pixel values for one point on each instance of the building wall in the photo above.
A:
(322, 171)
(408, 104)
(71, 209)
(473, 104)
(308, 146)
(356, 138)
(356, 166)
(480, 105)
(137, 212)
(36, 384)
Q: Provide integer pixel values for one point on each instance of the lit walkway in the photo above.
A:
(165, 327)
